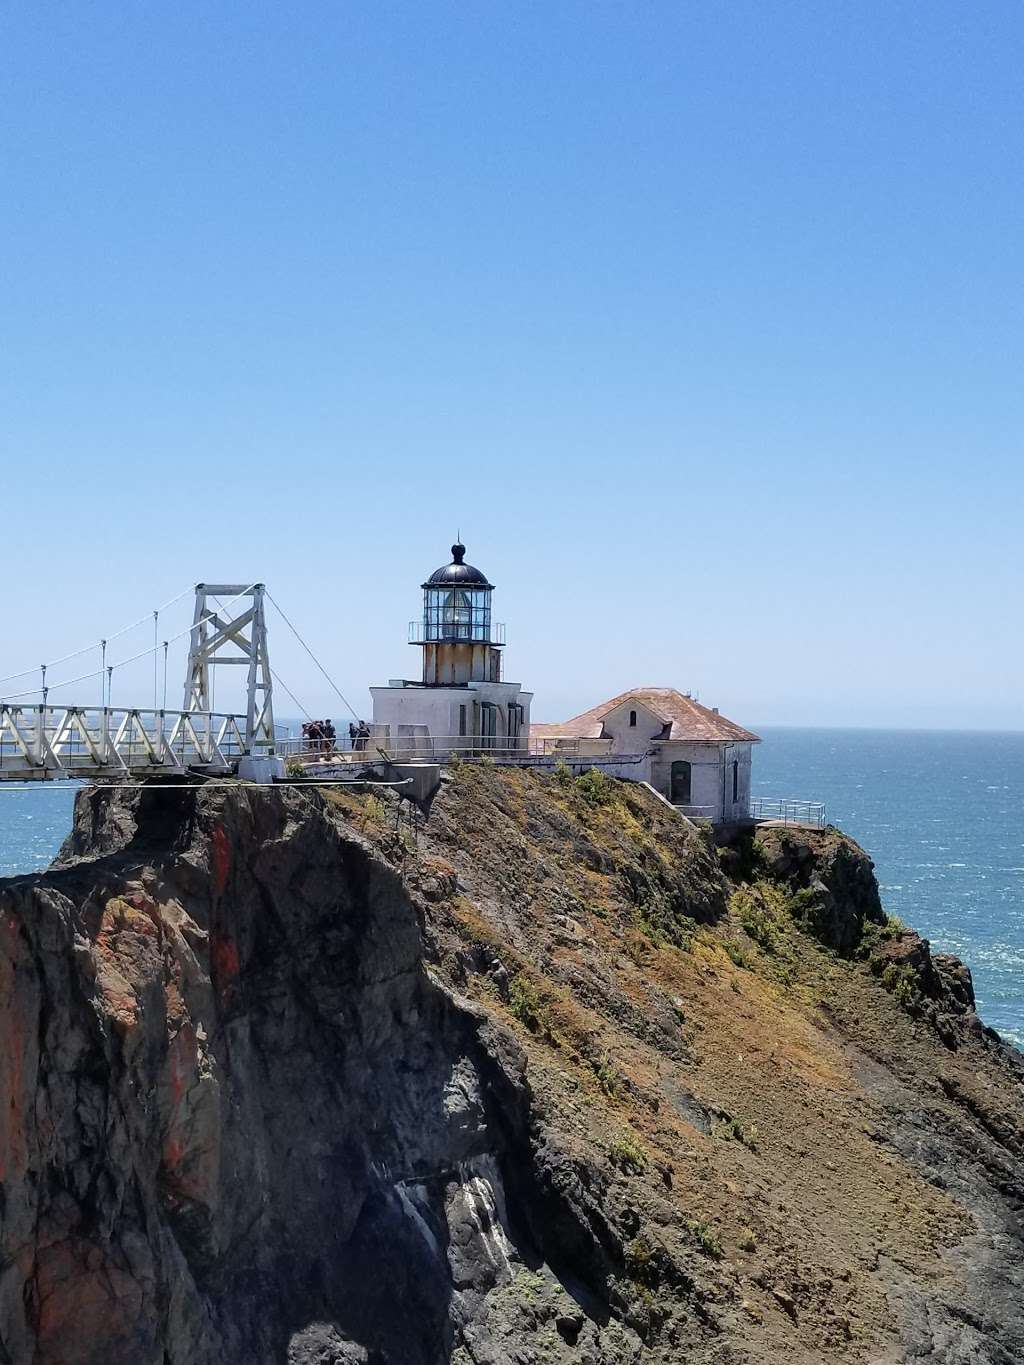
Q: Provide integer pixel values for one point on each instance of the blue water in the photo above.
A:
(941, 813)
(34, 820)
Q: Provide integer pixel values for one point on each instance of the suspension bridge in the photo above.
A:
(41, 740)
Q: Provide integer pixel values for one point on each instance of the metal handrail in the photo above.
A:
(436, 745)
(91, 740)
(788, 810)
(469, 634)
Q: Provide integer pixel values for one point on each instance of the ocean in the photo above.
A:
(941, 813)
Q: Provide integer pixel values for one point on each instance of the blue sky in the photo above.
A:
(703, 322)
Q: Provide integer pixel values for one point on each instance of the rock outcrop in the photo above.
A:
(295, 1077)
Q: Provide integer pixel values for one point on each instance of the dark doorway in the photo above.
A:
(681, 782)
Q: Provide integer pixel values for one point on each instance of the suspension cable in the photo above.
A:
(75, 653)
(319, 665)
(274, 674)
(285, 688)
(67, 682)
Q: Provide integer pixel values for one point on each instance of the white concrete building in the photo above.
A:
(692, 755)
(460, 701)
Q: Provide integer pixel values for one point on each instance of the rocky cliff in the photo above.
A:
(539, 1076)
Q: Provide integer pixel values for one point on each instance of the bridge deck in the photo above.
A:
(42, 742)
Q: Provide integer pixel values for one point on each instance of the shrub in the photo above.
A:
(736, 954)
(608, 1077)
(759, 908)
(904, 990)
(730, 1129)
(525, 1003)
(595, 788)
(707, 832)
(642, 1262)
(808, 908)
(563, 774)
(900, 981)
(628, 1154)
(295, 768)
(747, 1240)
(873, 934)
(660, 918)
(647, 920)
(374, 810)
(706, 1238)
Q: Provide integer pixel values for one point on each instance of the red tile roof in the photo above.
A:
(687, 718)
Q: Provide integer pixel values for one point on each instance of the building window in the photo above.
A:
(681, 782)
(457, 614)
(735, 780)
(488, 724)
(632, 720)
(462, 720)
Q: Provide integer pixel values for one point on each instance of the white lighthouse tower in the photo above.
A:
(460, 702)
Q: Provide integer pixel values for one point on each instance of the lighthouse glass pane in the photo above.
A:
(457, 614)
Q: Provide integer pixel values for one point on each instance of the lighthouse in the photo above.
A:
(460, 702)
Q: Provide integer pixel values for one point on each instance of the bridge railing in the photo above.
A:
(77, 741)
(440, 747)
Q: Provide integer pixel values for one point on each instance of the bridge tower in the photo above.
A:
(229, 627)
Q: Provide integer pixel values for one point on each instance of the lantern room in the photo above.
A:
(457, 602)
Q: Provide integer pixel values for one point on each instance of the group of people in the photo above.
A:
(358, 734)
(319, 735)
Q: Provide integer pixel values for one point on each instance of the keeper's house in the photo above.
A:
(690, 753)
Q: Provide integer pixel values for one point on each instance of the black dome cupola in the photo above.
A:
(458, 571)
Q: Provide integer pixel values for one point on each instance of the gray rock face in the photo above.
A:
(285, 1083)
(242, 1122)
(833, 879)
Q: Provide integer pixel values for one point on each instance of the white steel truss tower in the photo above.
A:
(233, 633)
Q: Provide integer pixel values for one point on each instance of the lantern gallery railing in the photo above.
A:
(786, 812)
(456, 632)
(77, 741)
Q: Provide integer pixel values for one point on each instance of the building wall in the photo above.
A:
(632, 739)
(711, 777)
(435, 710)
(633, 769)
